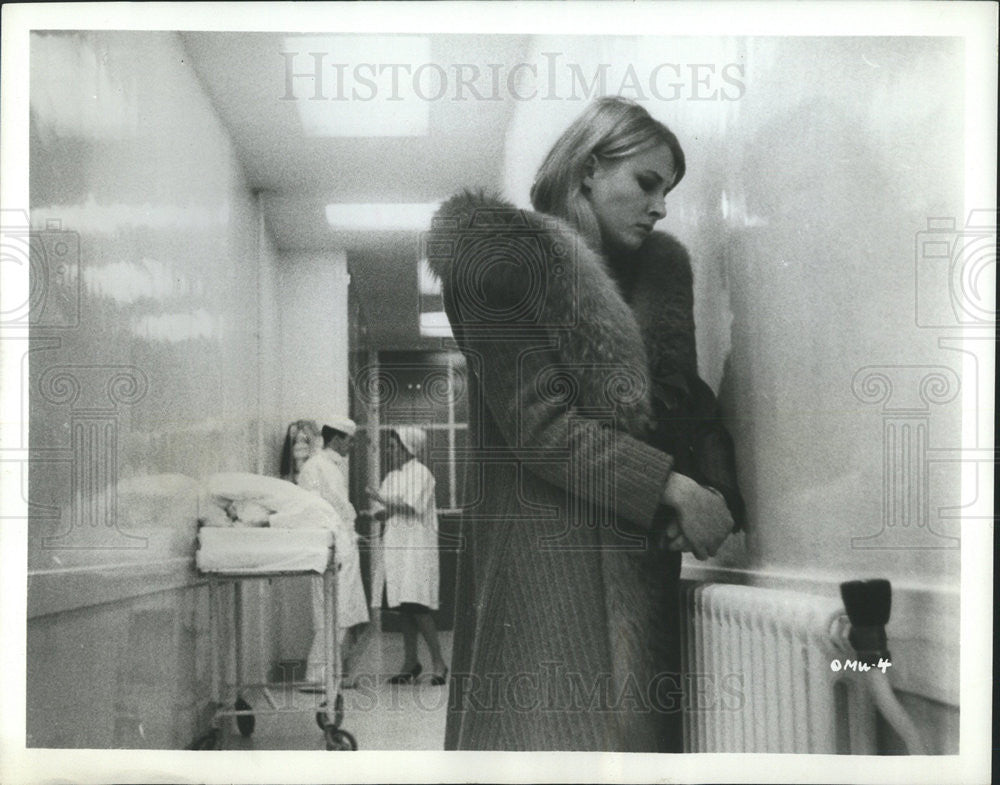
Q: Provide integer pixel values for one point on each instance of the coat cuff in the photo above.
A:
(642, 473)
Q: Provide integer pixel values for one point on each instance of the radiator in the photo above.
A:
(758, 675)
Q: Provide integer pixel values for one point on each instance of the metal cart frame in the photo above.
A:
(231, 703)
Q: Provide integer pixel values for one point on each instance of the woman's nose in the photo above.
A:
(658, 208)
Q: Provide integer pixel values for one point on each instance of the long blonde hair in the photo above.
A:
(610, 128)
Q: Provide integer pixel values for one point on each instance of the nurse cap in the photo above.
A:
(413, 438)
(343, 425)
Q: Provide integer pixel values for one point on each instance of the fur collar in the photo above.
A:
(627, 338)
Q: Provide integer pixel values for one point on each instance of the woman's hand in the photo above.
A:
(703, 520)
(673, 538)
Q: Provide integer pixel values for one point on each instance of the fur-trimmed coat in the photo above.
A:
(584, 396)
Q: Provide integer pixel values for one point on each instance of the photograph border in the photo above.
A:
(975, 23)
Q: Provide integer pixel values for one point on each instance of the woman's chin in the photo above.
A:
(629, 241)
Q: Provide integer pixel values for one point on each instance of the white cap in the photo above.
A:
(412, 438)
(342, 424)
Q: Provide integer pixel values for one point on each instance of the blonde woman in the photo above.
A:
(600, 456)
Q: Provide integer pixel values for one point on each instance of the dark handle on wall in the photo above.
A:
(868, 605)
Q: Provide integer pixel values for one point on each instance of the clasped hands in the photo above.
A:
(702, 520)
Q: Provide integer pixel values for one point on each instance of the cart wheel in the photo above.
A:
(245, 722)
(339, 740)
(338, 713)
(211, 740)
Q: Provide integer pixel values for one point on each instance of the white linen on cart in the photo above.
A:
(289, 506)
(236, 546)
(264, 550)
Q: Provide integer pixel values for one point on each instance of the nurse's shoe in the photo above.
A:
(407, 677)
(440, 679)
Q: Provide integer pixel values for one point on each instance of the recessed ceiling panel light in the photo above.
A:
(358, 85)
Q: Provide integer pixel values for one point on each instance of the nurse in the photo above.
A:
(411, 549)
(326, 474)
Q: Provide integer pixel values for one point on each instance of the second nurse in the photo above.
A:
(411, 549)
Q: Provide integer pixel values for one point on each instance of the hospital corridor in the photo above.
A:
(271, 500)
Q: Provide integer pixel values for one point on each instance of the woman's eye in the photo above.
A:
(647, 183)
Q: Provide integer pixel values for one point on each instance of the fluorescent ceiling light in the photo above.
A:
(435, 324)
(381, 215)
(366, 84)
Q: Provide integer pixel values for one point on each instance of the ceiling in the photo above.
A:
(246, 78)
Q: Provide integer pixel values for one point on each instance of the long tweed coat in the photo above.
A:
(584, 396)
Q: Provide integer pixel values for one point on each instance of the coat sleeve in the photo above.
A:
(506, 291)
(566, 448)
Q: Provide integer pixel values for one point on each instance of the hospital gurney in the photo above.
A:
(235, 555)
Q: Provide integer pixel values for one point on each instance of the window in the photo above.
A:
(428, 390)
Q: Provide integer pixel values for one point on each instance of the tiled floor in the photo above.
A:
(380, 716)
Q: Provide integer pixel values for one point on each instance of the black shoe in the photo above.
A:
(407, 677)
(440, 679)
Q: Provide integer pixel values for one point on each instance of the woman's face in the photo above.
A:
(302, 447)
(627, 195)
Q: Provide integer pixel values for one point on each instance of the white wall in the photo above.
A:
(312, 297)
(154, 363)
(313, 302)
(270, 381)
